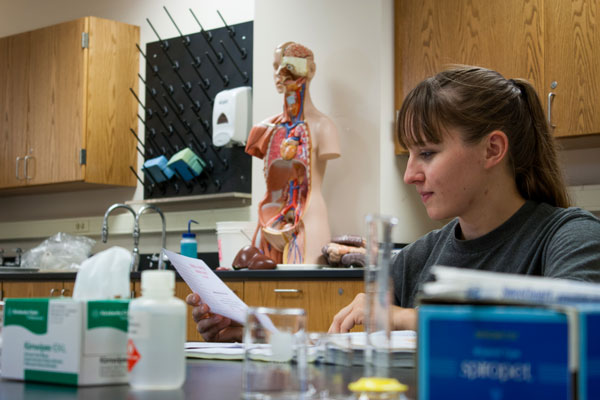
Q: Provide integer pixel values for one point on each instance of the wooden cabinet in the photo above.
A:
(65, 105)
(540, 40)
(572, 40)
(36, 289)
(321, 299)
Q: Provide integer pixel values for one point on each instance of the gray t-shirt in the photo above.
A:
(538, 239)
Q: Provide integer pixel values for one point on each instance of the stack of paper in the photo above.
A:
(349, 348)
(473, 285)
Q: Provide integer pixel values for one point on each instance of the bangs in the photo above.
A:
(420, 119)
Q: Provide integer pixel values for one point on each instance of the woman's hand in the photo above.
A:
(354, 314)
(213, 327)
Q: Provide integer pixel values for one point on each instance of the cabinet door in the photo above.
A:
(502, 35)
(14, 81)
(32, 288)
(572, 42)
(113, 64)
(56, 98)
(321, 299)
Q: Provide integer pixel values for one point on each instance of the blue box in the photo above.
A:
(157, 169)
(588, 382)
(494, 352)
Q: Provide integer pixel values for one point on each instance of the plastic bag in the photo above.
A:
(61, 251)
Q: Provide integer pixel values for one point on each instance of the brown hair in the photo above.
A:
(477, 101)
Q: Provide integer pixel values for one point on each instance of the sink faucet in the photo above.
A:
(19, 253)
(161, 262)
(136, 233)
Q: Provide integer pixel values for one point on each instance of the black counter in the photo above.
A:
(326, 274)
(205, 380)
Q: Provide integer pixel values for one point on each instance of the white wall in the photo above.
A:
(353, 45)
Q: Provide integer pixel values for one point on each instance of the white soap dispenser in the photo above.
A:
(232, 116)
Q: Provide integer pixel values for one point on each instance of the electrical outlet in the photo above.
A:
(82, 226)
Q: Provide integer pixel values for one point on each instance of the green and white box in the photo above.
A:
(66, 341)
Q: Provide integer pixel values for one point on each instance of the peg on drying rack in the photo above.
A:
(169, 128)
(231, 31)
(163, 43)
(196, 61)
(206, 34)
(150, 150)
(243, 74)
(224, 78)
(178, 108)
(208, 38)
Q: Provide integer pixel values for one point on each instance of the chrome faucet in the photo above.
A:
(136, 233)
(19, 254)
(161, 262)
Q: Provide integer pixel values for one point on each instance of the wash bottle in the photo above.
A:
(189, 245)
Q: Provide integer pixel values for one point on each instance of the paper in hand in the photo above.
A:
(212, 290)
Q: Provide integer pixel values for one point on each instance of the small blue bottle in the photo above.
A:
(189, 245)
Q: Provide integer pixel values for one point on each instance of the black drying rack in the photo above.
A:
(183, 76)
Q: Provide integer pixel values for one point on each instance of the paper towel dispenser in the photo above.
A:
(232, 116)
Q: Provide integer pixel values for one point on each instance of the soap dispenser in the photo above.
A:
(232, 116)
(189, 245)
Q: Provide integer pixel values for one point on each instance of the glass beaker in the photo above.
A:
(378, 290)
(275, 354)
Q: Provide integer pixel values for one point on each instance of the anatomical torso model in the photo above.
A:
(295, 145)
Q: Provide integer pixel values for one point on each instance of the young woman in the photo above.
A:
(480, 151)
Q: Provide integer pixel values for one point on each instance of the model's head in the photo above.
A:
(477, 101)
(292, 61)
(277, 56)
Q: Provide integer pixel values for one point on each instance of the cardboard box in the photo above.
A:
(61, 340)
(508, 352)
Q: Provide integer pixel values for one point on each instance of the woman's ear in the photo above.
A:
(496, 148)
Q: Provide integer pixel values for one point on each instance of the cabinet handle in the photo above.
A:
(550, 96)
(27, 158)
(64, 292)
(287, 290)
(132, 295)
(17, 168)
(52, 291)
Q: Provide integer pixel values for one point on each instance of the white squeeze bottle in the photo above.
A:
(156, 335)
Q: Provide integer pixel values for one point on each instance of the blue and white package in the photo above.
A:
(493, 352)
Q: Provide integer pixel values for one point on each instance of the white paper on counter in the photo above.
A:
(212, 290)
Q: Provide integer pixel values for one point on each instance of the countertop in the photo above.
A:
(205, 380)
(327, 273)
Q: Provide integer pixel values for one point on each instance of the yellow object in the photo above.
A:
(378, 385)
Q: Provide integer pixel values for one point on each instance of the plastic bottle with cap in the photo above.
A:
(156, 335)
(189, 245)
(378, 389)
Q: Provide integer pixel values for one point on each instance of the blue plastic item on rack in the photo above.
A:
(157, 169)
(187, 164)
